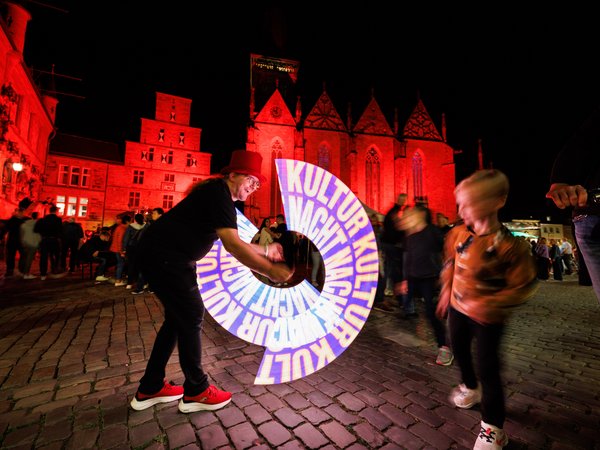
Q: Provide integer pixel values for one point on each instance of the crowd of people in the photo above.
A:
(61, 246)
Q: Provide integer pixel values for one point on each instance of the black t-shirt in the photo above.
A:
(188, 231)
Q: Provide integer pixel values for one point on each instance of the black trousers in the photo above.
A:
(174, 283)
(487, 344)
(50, 248)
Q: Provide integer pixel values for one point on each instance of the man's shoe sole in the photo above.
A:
(140, 405)
(196, 406)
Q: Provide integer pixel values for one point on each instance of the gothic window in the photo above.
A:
(151, 154)
(161, 135)
(417, 172)
(138, 177)
(191, 161)
(182, 138)
(276, 203)
(167, 201)
(170, 177)
(324, 157)
(373, 179)
(7, 172)
(134, 199)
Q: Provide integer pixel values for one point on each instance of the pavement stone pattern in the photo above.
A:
(72, 352)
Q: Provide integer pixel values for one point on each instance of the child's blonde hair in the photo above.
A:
(488, 183)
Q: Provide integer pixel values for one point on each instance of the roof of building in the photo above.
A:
(81, 147)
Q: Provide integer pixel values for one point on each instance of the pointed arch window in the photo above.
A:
(276, 203)
(417, 172)
(373, 179)
(324, 157)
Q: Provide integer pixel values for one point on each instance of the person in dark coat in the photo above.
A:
(50, 227)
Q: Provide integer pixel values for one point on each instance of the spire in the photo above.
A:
(444, 127)
(396, 128)
(349, 117)
(479, 155)
(252, 104)
(298, 110)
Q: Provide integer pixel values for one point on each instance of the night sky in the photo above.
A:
(520, 80)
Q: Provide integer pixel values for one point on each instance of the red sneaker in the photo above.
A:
(209, 400)
(168, 393)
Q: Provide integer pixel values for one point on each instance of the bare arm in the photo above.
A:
(256, 257)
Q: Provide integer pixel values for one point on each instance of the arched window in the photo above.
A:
(372, 179)
(324, 157)
(417, 170)
(276, 203)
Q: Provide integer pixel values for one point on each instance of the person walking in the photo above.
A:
(71, 241)
(555, 260)
(423, 246)
(30, 241)
(50, 227)
(566, 250)
(12, 228)
(116, 247)
(486, 273)
(392, 238)
(169, 250)
(130, 240)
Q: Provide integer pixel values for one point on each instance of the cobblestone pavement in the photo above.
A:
(71, 354)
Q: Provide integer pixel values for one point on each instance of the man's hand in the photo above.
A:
(280, 273)
(275, 252)
(564, 195)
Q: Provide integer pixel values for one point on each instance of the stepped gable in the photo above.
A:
(276, 111)
(324, 115)
(373, 121)
(420, 125)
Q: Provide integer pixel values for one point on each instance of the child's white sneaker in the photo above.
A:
(490, 438)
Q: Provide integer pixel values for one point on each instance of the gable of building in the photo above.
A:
(373, 121)
(324, 115)
(420, 126)
(276, 111)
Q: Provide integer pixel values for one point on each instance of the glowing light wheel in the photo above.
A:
(302, 329)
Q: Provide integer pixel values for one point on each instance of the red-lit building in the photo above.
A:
(90, 180)
(26, 117)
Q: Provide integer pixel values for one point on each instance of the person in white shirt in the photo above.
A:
(566, 250)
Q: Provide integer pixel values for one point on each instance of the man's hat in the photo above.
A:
(248, 163)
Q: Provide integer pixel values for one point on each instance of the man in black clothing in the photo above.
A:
(285, 237)
(12, 228)
(72, 236)
(50, 227)
(95, 250)
(392, 238)
(168, 252)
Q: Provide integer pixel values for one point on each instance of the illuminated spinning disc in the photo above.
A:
(302, 329)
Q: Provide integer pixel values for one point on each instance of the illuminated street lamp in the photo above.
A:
(17, 166)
